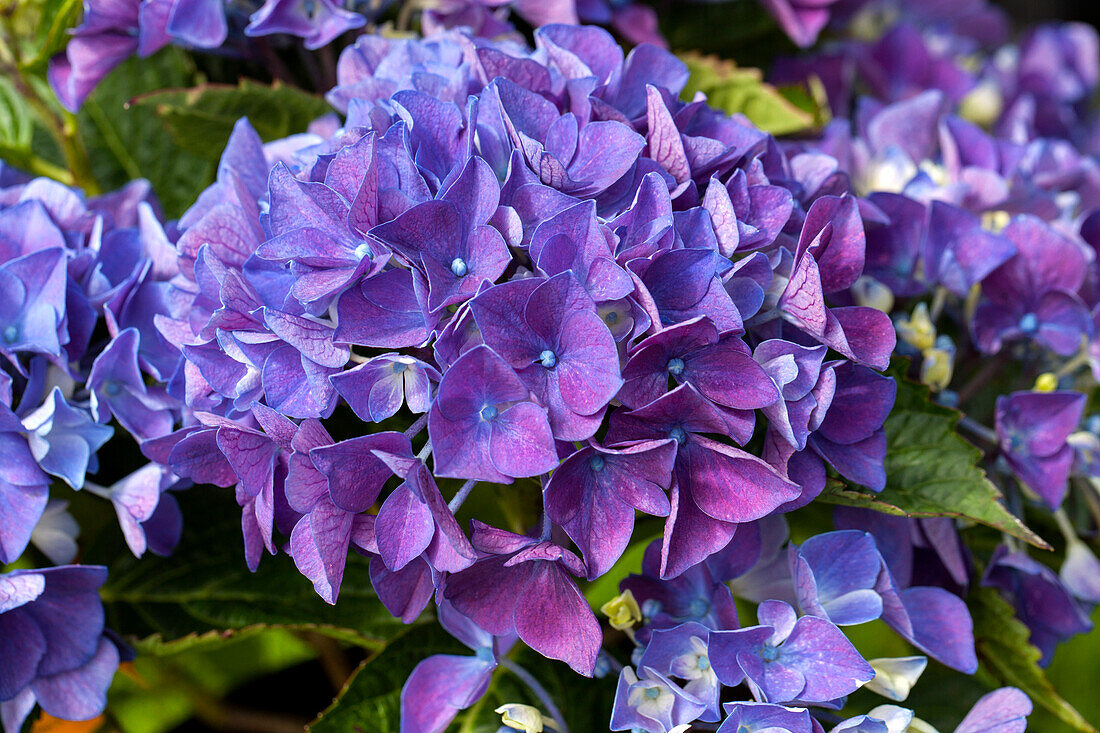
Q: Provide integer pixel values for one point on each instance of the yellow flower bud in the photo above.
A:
(918, 330)
(995, 221)
(869, 292)
(937, 368)
(1046, 382)
(983, 104)
(623, 611)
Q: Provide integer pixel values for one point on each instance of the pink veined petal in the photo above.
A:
(521, 443)
(552, 617)
(404, 528)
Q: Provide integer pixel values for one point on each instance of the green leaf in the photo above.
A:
(127, 141)
(931, 471)
(157, 694)
(1003, 647)
(740, 90)
(50, 21)
(16, 121)
(201, 119)
(743, 29)
(371, 700)
(205, 586)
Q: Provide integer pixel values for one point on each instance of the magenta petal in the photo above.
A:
(588, 373)
(404, 593)
(487, 592)
(1004, 711)
(941, 626)
(731, 485)
(520, 441)
(438, 688)
(404, 528)
(833, 231)
(554, 619)
(690, 535)
(355, 474)
(727, 374)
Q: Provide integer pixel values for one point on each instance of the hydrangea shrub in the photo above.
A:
(570, 372)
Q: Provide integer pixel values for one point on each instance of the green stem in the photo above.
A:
(538, 690)
(1078, 361)
(1066, 527)
(40, 167)
(61, 125)
(939, 299)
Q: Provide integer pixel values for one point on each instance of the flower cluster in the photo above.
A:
(796, 656)
(538, 276)
(54, 650)
(113, 30)
(580, 285)
(81, 280)
(891, 51)
(981, 192)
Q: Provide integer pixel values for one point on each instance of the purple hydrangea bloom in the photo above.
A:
(483, 425)
(789, 658)
(1005, 710)
(1042, 601)
(55, 652)
(378, 388)
(801, 20)
(522, 586)
(594, 492)
(835, 574)
(113, 30)
(147, 513)
(1034, 294)
(64, 439)
(414, 520)
(550, 333)
(721, 369)
(1033, 428)
(758, 717)
(682, 653)
(829, 258)
(699, 594)
(24, 488)
(444, 684)
(318, 24)
(533, 247)
(652, 702)
(1080, 573)
(715, 486)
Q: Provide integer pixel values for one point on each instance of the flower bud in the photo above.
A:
(918, 330)
(1046, 382)
(995, 221)
(895, 676)
(522, 717)
(983, 104)
(938, 365)
(623, 611)
(869, 292)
